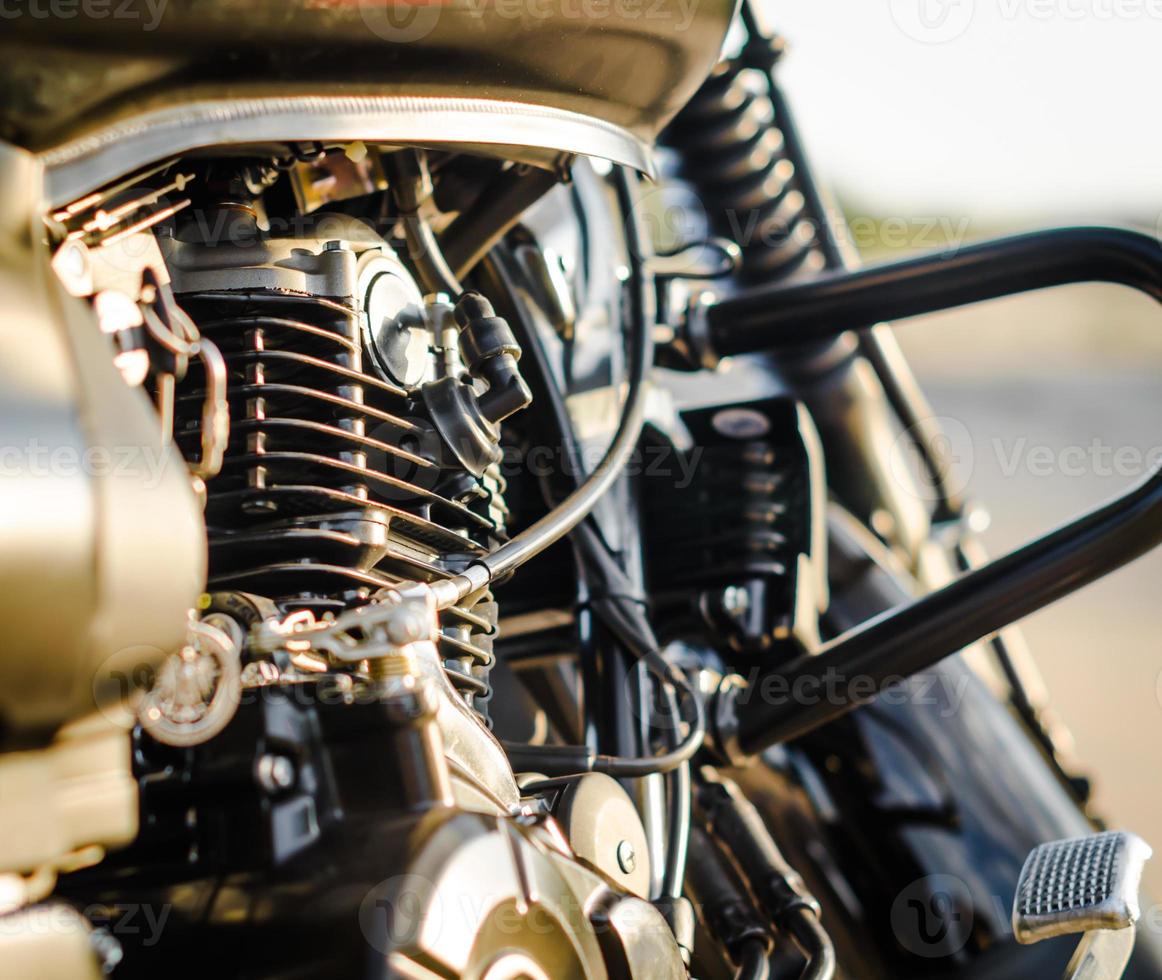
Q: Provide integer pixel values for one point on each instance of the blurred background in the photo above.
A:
(937, 122)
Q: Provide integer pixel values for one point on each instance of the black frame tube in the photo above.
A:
(472, 234)
(849, 670)
(774, 317)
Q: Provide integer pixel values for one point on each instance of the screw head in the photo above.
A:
(626, 857)
(735, 600)
(275, 773)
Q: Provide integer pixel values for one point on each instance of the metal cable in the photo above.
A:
(574, 509)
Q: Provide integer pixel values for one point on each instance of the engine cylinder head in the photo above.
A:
(335, 482)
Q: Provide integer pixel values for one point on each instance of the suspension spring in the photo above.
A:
(736, 156)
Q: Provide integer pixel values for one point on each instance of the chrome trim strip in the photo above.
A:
(78, 167)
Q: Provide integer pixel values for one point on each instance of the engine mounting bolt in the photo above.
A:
(626, 857)
(275, 773)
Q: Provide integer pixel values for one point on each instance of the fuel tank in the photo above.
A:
(102, 541)
(121, 83)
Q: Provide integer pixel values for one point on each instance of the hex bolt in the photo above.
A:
(626, 857)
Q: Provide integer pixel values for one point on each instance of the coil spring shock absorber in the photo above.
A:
(329, 489)
(736, 156)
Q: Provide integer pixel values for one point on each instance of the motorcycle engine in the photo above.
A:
(359, 454)
(320, 791)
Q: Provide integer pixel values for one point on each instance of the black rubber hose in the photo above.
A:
(780, 891)
(726, 908)
(569, 760)
(563, 760)
(411, 186)
(424, 250)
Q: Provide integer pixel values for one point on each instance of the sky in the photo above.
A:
(1000, 109)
